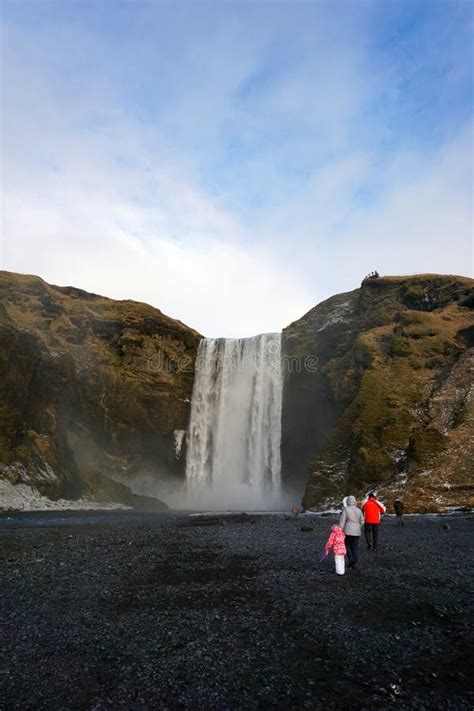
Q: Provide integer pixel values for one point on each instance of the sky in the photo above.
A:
(235, 163)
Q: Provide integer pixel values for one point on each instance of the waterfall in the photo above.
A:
(233, 440)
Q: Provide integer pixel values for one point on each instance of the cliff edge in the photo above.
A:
(389, 404)
(93, 392)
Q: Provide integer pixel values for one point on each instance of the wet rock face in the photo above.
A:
(90, 387)
(390, 402)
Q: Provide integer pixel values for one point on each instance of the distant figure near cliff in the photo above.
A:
(399, 509)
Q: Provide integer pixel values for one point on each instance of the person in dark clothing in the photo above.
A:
(371, 533)
(399, 508)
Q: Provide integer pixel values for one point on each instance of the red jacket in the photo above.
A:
(336, 541)
(372, 510)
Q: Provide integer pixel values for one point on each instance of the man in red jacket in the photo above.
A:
(373, 510)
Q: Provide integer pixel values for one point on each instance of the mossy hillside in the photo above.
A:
(89, 384)
(385, 351)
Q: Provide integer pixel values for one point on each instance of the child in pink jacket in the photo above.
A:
(336, 542)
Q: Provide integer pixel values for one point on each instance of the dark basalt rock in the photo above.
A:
(117, 611)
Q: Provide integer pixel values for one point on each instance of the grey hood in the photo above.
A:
(352, 518)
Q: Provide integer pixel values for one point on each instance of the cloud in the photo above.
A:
(417, 219)
(132, 230)
(232, 174)
(215, 286)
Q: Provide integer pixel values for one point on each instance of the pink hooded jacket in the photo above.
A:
(336, 541)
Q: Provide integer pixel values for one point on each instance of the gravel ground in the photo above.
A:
(116, 610)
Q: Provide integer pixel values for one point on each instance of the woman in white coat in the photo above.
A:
(351, 521)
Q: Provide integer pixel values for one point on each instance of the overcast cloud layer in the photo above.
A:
(235, 163)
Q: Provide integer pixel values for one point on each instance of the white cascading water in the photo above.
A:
(233, 441)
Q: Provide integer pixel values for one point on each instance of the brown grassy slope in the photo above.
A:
(396, 358)
(89, 386)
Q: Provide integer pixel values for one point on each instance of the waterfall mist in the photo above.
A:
(233, 440)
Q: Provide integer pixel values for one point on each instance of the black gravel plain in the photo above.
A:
(168, 611)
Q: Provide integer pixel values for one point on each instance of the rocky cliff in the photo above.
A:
(95, 394)
(378, 394)
(92, 392)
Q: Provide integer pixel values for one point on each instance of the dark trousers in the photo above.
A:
(400, 520)
(352, 543)
(371, 531)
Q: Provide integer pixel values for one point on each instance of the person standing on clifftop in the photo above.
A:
(351, 521)
(373, 510)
